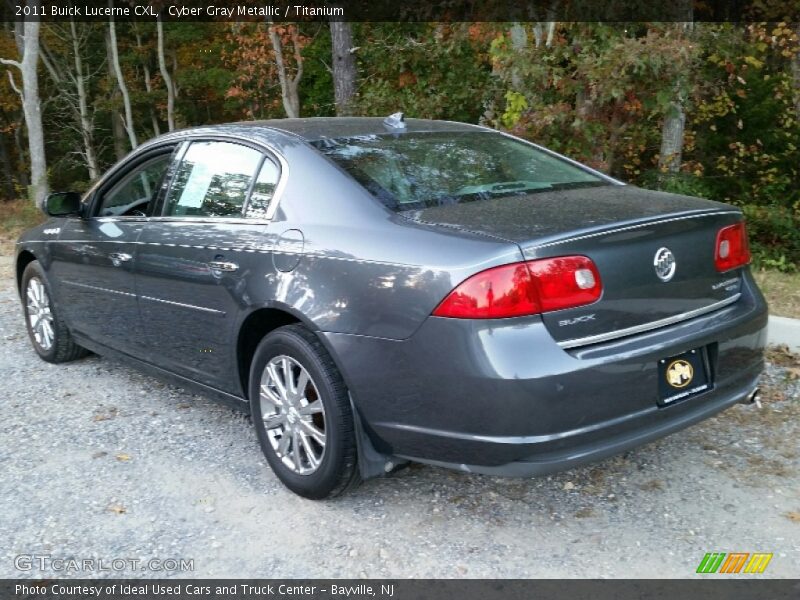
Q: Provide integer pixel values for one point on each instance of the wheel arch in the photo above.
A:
(24, 258)
(253, 328)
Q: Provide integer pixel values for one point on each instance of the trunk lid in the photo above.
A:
(621, 228)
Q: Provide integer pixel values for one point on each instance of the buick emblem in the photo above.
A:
(664, 264)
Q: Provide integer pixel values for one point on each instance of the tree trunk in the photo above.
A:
(148, 86)
(344, 67)
(289, 85)
(126, 98)
(671, 154)
(162, 64)
(796, 72)
(5, 164)
(672, 138)
(83, 108)
(19, 143)
(28, 40)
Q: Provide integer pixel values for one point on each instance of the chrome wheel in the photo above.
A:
(293, 414)
(40, 318)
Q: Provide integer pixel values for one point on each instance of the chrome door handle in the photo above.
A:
(117, 258)
(227, 267)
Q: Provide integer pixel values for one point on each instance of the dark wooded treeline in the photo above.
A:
(704, 109)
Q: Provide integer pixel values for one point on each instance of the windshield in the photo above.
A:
(412, 171)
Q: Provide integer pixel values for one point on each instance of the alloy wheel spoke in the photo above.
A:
(275, 420)
(283, 444)
(315, 433)
(302, 383)
(311, 409)
(276, 379)
(310, 453)
(296, 452)
(271, 396)
(288, 377)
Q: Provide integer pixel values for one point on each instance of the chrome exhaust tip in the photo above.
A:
(753, 397)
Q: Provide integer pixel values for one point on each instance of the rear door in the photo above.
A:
(195, 258)
(94, 259)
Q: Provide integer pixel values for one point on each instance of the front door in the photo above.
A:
(194, 260)
(93, 261)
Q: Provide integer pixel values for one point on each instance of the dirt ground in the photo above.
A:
(100, 461)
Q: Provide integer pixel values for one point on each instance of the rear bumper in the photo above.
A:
(501, 397)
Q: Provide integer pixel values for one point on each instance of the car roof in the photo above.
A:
(316, 128)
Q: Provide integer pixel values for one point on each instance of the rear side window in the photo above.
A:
(212, 180)
(263, 191)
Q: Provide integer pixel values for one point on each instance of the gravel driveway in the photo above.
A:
(99, 461)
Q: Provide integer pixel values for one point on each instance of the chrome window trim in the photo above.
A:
(619, 333)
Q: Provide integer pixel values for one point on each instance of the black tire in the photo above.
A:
(337, 471)
(62, 348)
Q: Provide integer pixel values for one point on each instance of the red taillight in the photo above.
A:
(732, 249)
(525, 288)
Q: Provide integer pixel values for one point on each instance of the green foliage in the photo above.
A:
(598, 92)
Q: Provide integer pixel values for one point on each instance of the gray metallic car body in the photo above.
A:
(505, 396)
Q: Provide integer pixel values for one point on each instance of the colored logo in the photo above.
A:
(679, 373)
(734, 562)
(664, 264)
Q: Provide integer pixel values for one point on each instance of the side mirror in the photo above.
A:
(63, 204)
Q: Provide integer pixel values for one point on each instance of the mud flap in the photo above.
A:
(371, 463)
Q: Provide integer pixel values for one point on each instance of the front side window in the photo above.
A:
(212, 180)
(413, 171)
(132, 195)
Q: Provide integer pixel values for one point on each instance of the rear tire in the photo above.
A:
(301, 411)
(46, 329)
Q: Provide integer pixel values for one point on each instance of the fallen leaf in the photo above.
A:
(100, 454)
(123, 457)
(184, 405)
(118, 509)
(793, 515)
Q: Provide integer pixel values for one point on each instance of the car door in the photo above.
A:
(195, 258)
(93, 261)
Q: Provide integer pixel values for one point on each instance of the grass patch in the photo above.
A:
(15, 217)
(782, 291)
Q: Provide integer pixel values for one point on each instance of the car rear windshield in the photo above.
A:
(412, 171)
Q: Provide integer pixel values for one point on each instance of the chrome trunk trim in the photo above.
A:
(613, 335)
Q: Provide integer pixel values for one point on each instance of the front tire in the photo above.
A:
(48, 333)
(301, 411)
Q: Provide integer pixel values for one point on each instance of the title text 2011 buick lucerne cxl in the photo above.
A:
(378, 291)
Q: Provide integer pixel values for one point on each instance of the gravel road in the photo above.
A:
(100, 461)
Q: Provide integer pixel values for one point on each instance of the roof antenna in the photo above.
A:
(395, 121)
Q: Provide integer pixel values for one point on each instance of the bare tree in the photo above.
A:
(71, 76)
(162, 65)
(796, 72)
(289, 84)
(27, 33)
(123, 88)
(344, 67)
(148, 84)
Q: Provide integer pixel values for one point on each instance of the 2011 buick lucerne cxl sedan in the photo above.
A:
(376, 291)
